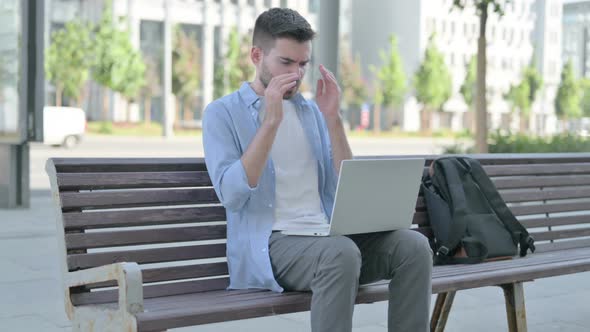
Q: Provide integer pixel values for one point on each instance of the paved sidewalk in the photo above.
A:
(32, 298)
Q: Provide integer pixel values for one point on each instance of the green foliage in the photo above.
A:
(186, 65)
(218, 80)
(502, 143)
(105, 128)
(354, 90)
(567, 100)
(497, 5)
(432, 79)
(534, 81)
(68, 59)
(238, 65)
(518, 97)
(468, 87)
(585, 100)
(118, 65)
(390, 76)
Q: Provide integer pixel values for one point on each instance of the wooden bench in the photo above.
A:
(143, 242)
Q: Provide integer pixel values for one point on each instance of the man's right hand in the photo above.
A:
(273, 94)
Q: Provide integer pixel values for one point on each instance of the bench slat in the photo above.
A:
(125, 180)
(144, 236)
(563, 245)
(540, 181)
(145, 256)
(548, 208)
(561, 234)
(550, 194)
(146, 217)
(541, 169)
(152, 291)
(136, 198)
(173, 273)
(94, 165)
(556, 221)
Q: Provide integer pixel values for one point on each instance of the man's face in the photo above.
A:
(287, 56)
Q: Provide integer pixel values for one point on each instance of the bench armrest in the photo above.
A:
(127, 275)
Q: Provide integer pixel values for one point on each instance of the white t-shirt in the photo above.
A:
(297, 195)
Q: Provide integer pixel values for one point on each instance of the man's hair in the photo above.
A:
(280, 23)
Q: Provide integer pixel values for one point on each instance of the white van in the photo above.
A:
(63, 126)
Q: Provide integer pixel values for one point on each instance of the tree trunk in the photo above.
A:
(147, 117)
(177, 114)
(481, 133)
(377, 119)
(58, 93)
(524, 123)
(105, 104)
(425, 121)
(128, 111)
(187, 112)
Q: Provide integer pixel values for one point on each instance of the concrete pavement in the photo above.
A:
(32, 297)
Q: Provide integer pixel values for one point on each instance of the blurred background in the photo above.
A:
(482, 75)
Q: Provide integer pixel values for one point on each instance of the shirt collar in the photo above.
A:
(250, 97)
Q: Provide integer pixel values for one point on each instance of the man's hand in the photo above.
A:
(328, 95)
(274, 92)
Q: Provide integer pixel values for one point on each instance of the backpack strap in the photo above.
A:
(519, 233)
(476, 253)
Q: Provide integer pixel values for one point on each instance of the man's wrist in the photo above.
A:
(333, 120)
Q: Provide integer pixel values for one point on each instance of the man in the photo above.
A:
(274, 159)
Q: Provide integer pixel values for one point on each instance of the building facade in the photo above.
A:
(576, 36)
(511, 43)
(208, 21)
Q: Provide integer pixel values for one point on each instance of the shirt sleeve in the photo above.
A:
(222, 157)
(328, 158)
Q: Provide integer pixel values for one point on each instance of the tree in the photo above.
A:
(391, 79)
(467, 89)
(151, 88)
(534, 80)
(118, 65)
(238, 65)
(186, 71)
(354, 90)
(567, 100)
(68, 60)
(433, 83)
(482, 9)
(585, 100)
(518, 97)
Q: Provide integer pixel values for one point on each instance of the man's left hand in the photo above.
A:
(328, 95)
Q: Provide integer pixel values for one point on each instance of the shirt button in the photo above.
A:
(263, 249)
(269, 205)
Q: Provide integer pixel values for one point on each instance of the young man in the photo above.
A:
(274, 159)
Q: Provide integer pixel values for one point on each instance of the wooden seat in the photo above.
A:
(163, 215)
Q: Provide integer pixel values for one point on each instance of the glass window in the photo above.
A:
(10, 27)
(284, 4)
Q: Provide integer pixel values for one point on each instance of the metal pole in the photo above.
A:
(328, 35)
(168, 107)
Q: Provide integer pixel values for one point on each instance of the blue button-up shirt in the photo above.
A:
(229, 125)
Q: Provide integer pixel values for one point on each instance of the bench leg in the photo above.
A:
(440, 314)
(515, 309)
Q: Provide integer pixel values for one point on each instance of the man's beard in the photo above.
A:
(266, 76)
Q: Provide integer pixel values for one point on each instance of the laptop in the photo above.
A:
(372, 195)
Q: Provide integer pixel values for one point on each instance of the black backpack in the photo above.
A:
(470, 220)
